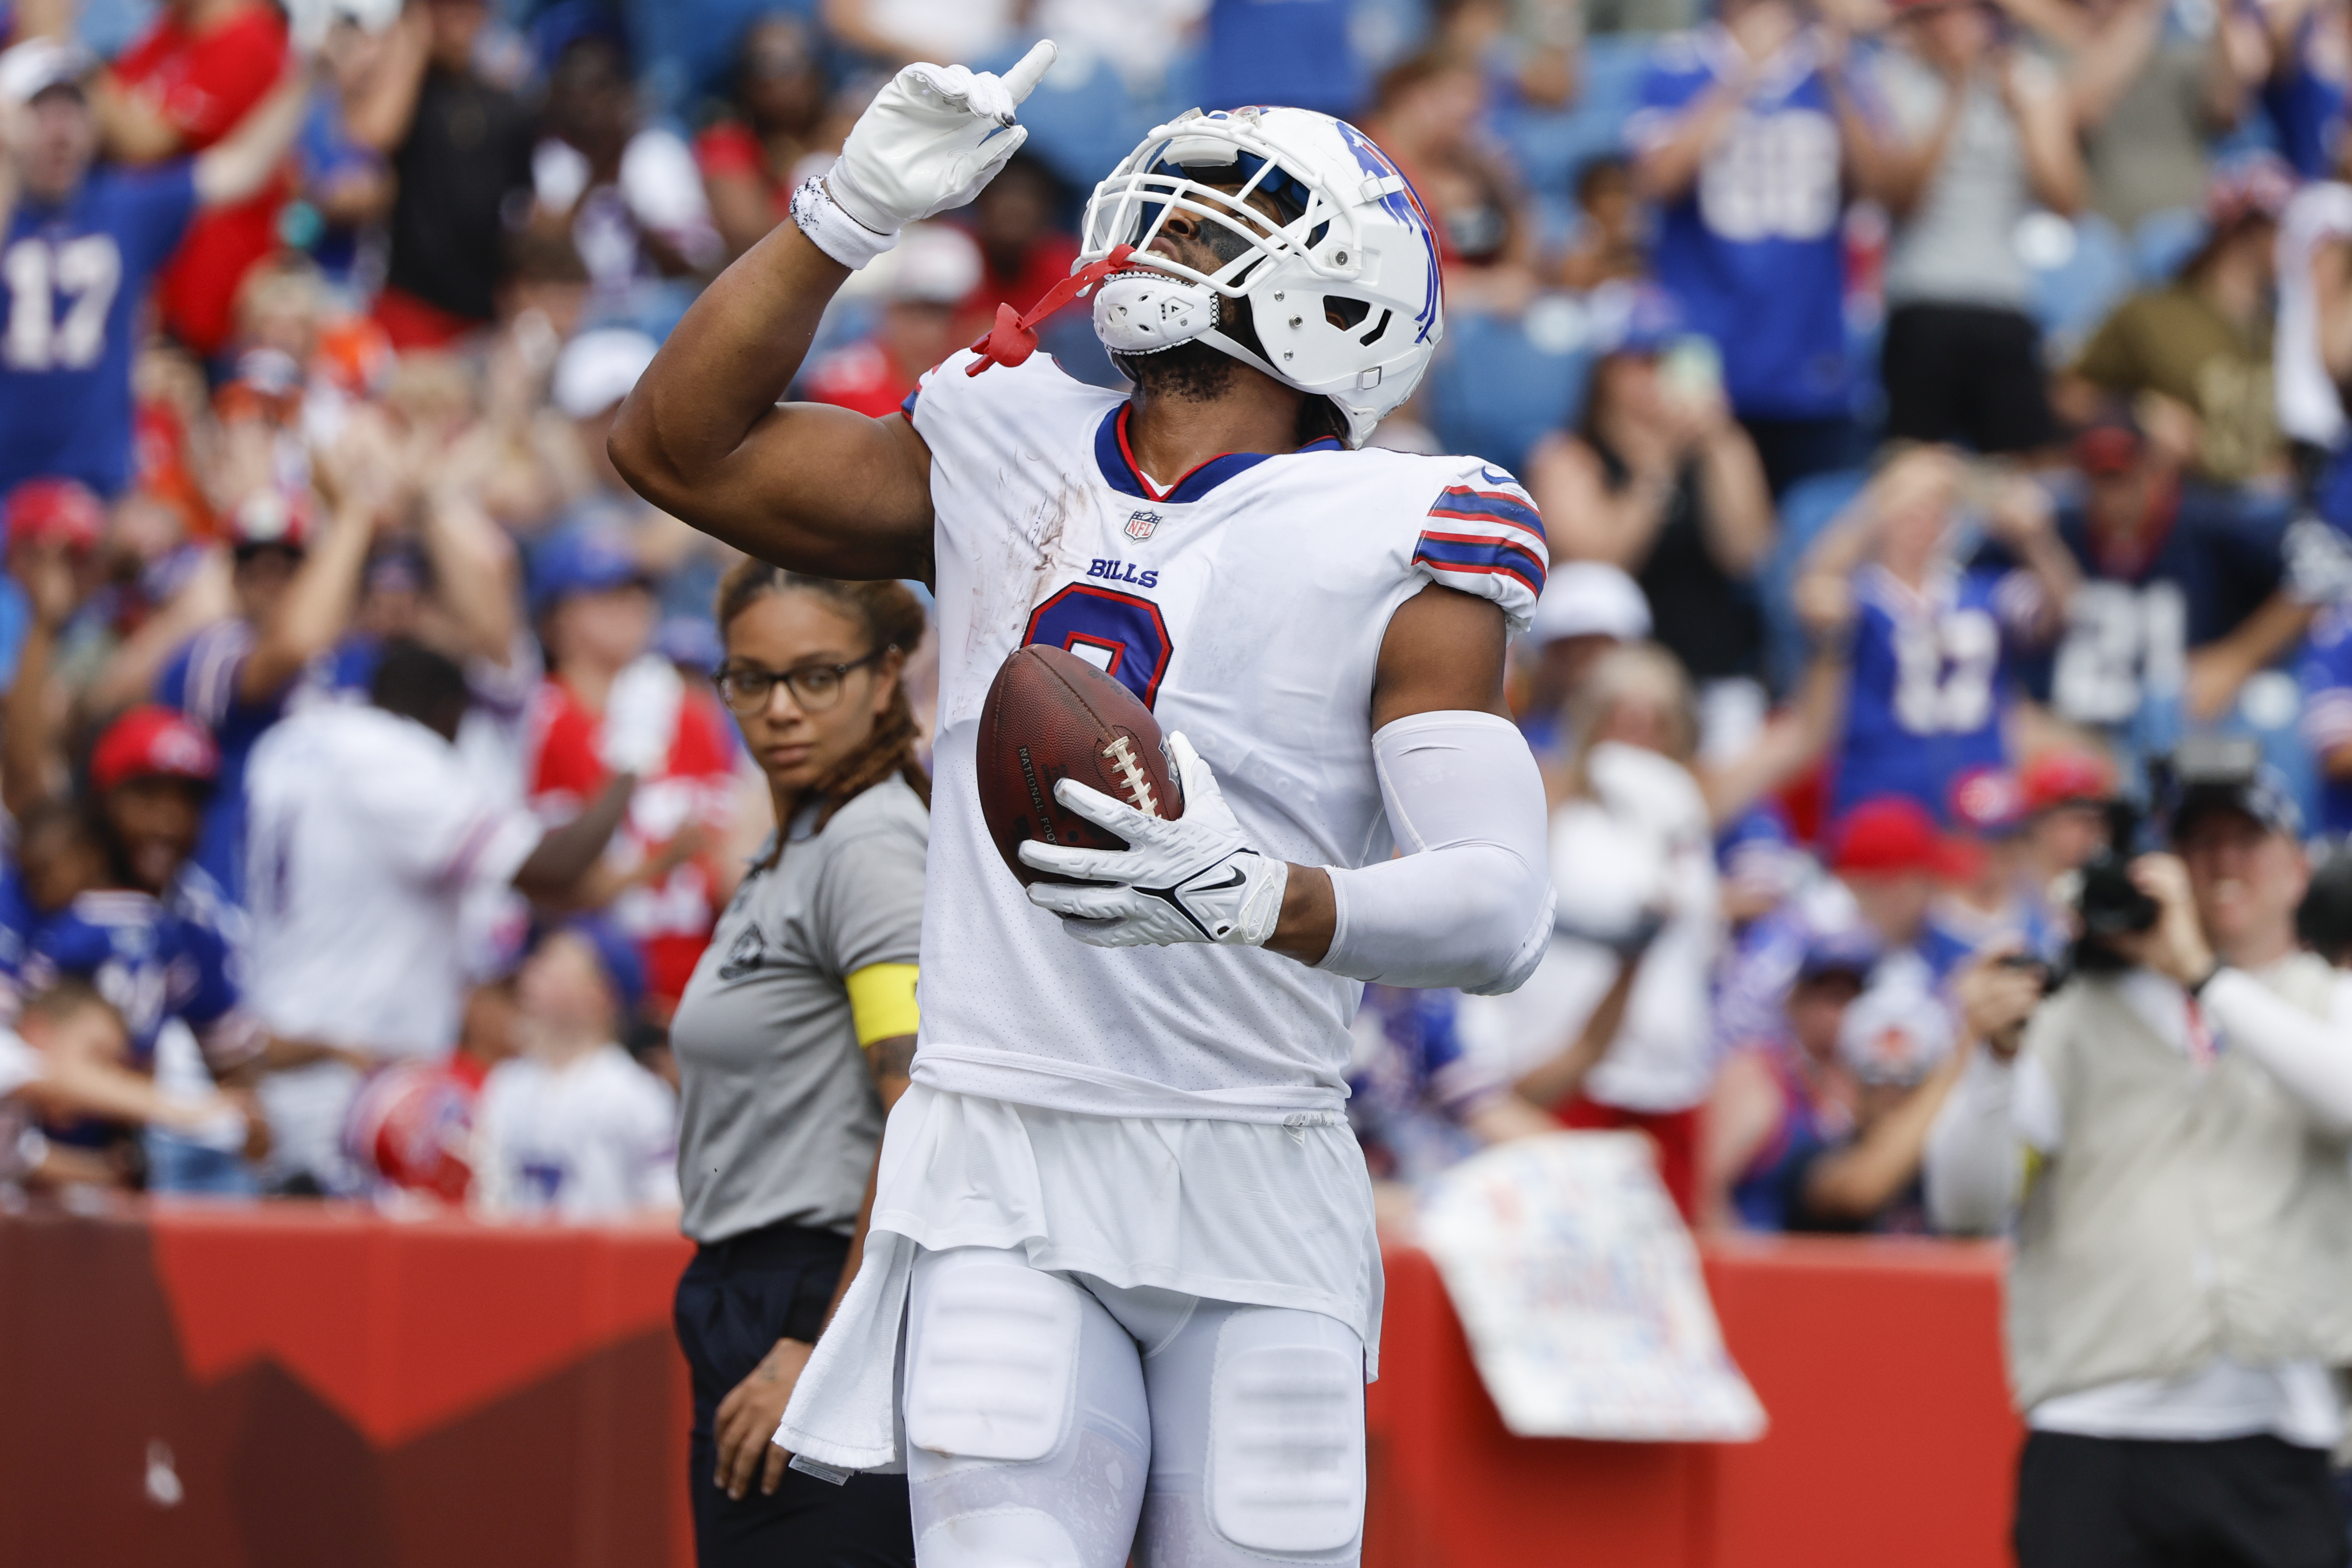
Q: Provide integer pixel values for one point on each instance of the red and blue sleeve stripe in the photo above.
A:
(1476, 554)
(1463, 504)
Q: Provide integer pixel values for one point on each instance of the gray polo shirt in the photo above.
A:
(779, 1118)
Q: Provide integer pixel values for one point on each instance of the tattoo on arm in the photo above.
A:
(893, 1058)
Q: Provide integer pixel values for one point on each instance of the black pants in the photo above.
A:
(1794, 450)
(735, 1301)
(2239, 1503)
(1968, 374)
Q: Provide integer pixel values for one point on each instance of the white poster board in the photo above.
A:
(1581, 1295)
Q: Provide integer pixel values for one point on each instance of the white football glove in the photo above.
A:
(641, 716)
(930, 140)
(1191, 879)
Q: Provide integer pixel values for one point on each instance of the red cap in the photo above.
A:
(2066, 777)
(1986, 800)
(271, 516)
(151, 742)
(55, 511)
(1891, 833)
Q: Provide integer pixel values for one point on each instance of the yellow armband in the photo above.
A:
(882, 1001)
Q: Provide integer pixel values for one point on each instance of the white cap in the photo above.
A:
(1586, 598)
(596, 370)
(1894, 1033)
(37, 65)
(935, 264)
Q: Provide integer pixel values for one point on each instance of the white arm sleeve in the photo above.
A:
(1975, 1158)
(1468, 902)
(2311, 1058)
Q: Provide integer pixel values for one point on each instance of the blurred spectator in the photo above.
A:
(460, 146)
(1419, 1098)
(1983, 133)
(144, 922)
(1747, 138)
(1611, 243)
(2195, 356)
(1425, 118)
(1894, 1065)
(1927, 697)
(83, 243)
(1995, 899)
(2175, 1114)
(752, 159)
(1587, 609)
(2314, 242)
(1777, 1105)
(60, 1064)
(2181, 599)
(343, 186)
(2325, 675)
(1659, 479)
(1632, 858)
(1024, 252)
(2301, 53)
(2064, 793)
(199, 72)
(629, 194)
(613, 709)
(924, 281)
(573, 1128)
(2147, 97)
(367, 831)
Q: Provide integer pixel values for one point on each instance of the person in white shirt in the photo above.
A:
(574, 1128)
(366, 834)
(2170, 1135)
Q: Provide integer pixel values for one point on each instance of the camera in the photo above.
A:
(2198, 774)
(2111, 904)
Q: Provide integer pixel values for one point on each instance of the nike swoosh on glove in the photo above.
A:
(1192, 880)
(931, 138)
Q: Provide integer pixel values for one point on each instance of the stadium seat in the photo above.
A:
(2162, 242)
(1495, 388)
(2080, 270)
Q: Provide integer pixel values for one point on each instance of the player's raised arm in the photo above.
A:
(807, 487)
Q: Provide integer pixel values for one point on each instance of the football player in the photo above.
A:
(1119, 1214)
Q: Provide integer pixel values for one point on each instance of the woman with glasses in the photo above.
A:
(792, 1040)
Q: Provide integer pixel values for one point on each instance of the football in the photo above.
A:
(1050, 715)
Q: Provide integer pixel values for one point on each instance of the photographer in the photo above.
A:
(2170, 1131)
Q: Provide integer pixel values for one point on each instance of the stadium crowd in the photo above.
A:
(1927, 402)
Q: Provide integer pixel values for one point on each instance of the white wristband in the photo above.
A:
(833, 231)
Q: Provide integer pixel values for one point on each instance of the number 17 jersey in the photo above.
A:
(1245, 603)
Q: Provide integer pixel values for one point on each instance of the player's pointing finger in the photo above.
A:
(1022, 78)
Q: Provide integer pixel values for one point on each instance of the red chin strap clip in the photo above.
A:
(1015, 338)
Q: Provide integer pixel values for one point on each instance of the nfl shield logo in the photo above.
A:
(1140, 525)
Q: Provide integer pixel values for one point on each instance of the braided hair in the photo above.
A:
(891, 617)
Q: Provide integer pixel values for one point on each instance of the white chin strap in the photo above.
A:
(1143, 313)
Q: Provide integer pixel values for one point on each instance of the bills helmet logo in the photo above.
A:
(1143, 524)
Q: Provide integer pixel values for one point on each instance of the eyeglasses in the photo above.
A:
(748, 689)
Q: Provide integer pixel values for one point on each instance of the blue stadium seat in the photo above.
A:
(1805, 511)
(2162, 243)
(1551, 146)
(2073, 292)
(1493, 390)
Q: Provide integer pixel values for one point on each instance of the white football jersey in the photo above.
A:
(594, 1139)
(1244, 602)
(366, 833)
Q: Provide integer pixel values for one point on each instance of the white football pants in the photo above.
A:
(1057, 1421)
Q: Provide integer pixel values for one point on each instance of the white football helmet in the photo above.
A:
(1344, 299)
